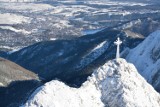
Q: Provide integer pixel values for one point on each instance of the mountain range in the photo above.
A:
(49, 56)
(71, 60)
(62, 51)
(115, 84)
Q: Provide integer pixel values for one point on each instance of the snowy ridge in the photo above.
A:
(94, 54)
(146, 58)
(115, 84)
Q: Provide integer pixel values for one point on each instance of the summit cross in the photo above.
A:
(118, 42)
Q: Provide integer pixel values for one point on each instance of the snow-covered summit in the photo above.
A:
(146, 58)
(115, 84)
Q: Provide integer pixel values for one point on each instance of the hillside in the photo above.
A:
(16, 83)
(10, 72)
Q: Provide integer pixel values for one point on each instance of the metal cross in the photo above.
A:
(118, 42)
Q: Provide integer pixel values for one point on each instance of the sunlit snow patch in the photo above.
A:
(8, 18)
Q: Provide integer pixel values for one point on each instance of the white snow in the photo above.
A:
(109, 2)
(103, 44)
(57, 94)
(146, 58)
(18, 0)
(32, 7)
(8, 18)
(130, 24)
(1, 84)
(15, 30)
(53, 39)
(11, 48)
(115, 84)
(14, 50)
(62, 24)
(93, 54)
(91, 31)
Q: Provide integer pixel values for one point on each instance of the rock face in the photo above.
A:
(115, 84)
(146, 58)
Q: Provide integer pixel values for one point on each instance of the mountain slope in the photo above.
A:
(115, 84)
(10, 72)
(16, 83)
(146, 58)
(67, 59)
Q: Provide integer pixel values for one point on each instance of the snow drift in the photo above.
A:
(115, 84)
(146, 58)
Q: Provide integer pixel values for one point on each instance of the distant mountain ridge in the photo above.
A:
(70, 60)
